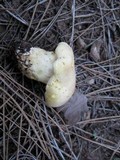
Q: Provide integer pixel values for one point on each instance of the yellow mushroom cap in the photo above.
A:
(61, 85)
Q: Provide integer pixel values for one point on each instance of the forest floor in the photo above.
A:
(29, 130)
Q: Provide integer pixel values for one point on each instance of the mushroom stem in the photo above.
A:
(36, 63)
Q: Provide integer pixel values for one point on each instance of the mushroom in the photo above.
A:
(34, 62)
(61, 85)
(55, 69)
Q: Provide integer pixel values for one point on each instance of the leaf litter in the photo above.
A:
(29, 129)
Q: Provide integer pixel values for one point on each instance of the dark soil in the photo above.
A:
(28, 129)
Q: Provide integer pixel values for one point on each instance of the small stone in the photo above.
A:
(91, 81)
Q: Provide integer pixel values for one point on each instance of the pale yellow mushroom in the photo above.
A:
(37, 64)
(61, 85)
(55, 69)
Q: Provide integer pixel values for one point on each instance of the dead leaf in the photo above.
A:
(95, 50)
(81, 43)
(75, 109)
